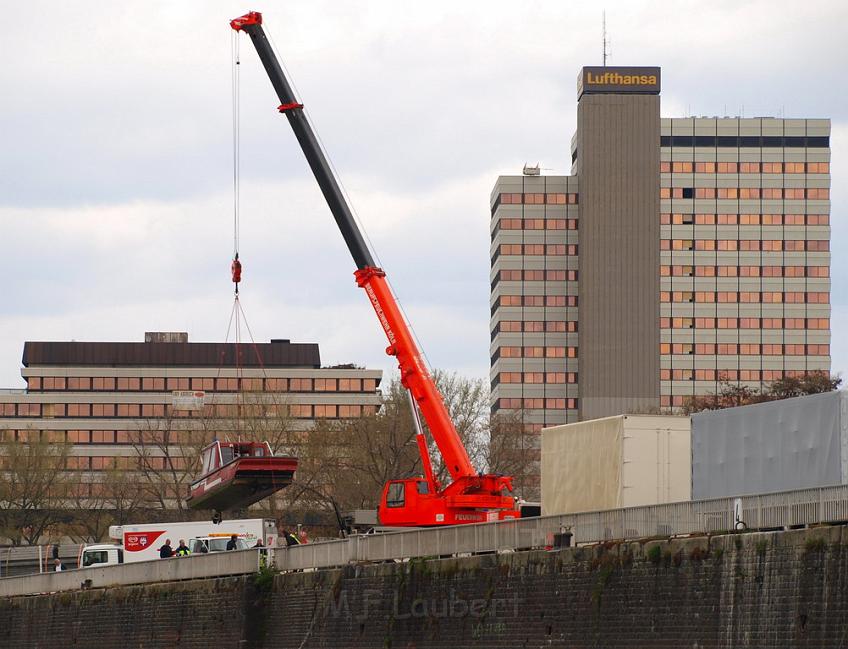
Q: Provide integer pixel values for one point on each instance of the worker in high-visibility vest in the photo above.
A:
(182, 549)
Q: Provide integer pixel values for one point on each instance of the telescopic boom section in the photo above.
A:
(414, 374)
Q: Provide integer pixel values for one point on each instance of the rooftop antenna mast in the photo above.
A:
(605, 39)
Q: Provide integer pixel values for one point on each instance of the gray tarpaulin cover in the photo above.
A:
(777, 446)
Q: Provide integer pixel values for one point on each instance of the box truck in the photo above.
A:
(142, 542)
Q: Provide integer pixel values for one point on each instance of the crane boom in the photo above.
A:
(468, 490)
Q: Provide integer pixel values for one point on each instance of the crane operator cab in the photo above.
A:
(403, 502)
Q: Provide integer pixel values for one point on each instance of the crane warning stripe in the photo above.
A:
(138, 541)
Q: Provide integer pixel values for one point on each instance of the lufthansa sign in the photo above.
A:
(617, 80)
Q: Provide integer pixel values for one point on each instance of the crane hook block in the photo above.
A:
(236, 270)
(252, 18)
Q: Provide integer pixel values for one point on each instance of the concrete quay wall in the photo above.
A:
(777, 589)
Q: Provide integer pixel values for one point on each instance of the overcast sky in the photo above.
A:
(116, 161)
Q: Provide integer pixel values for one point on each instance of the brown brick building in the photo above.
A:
(108, 400)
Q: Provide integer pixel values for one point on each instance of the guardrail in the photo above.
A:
(216, 564)
(28, 559)
(770, 511)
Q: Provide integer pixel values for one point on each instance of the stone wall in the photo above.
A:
(783, 589)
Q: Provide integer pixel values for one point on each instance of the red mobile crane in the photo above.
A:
(471, 497)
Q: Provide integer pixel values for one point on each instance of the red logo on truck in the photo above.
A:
(138, 541)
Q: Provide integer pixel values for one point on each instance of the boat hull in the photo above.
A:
(242, 482)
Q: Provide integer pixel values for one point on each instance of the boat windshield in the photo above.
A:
(226, 455)
(210, 455)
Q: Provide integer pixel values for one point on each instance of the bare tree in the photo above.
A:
(168, 457)
(467, 401)
(349, 463)
(732, 394)
(514, 452)
(121, 495)
(91, 516)
(32, 486)
(102, 498)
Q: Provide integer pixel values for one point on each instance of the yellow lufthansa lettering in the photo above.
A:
(617, 79)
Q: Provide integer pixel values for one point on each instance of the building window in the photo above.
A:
(326, 411)
(126, 384)
(79, 383)
(178, 383)
(300, 385)
(326, 385)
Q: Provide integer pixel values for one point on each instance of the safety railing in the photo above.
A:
(770, 511)
(216, 564)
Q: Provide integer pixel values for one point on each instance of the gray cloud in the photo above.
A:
(115, 172)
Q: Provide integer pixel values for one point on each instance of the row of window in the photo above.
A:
(209, 384)
(736, 141)
(538, 404)
(157, 410)
(744, 271)
(534, 300)
(745, 167)
(745, 323)
(121, 437)
(535, 352)
(537, 326)
(747, 297)
(678, 218)
(537, 377)
(538, 224)
(791, 193)
(536, 276)
(744, 349)
(551, 249)
(755, 245)
(537, 198)
(127, 463)
(725, 375)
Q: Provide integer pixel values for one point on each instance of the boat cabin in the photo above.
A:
(219, 454)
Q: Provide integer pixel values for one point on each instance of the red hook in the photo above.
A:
(236, 270)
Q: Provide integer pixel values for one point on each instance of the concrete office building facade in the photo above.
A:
(109, 400)
(686, 251)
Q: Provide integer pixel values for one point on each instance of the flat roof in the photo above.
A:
(170, 354)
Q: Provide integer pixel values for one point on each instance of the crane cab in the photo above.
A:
(410, 502)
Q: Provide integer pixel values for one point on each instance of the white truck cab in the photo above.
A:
(103, 554)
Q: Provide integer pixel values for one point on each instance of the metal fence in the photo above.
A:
(216, 564)
(770, 511)
(29, 559)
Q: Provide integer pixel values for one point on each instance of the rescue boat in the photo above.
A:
(235, 475)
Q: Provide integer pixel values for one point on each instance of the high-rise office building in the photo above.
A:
(680, 253)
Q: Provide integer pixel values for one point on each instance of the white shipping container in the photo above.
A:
(622, 461)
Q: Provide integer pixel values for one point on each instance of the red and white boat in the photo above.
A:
(235, 475)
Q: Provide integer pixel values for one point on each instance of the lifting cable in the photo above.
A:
(236, 84)
(237, 314)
